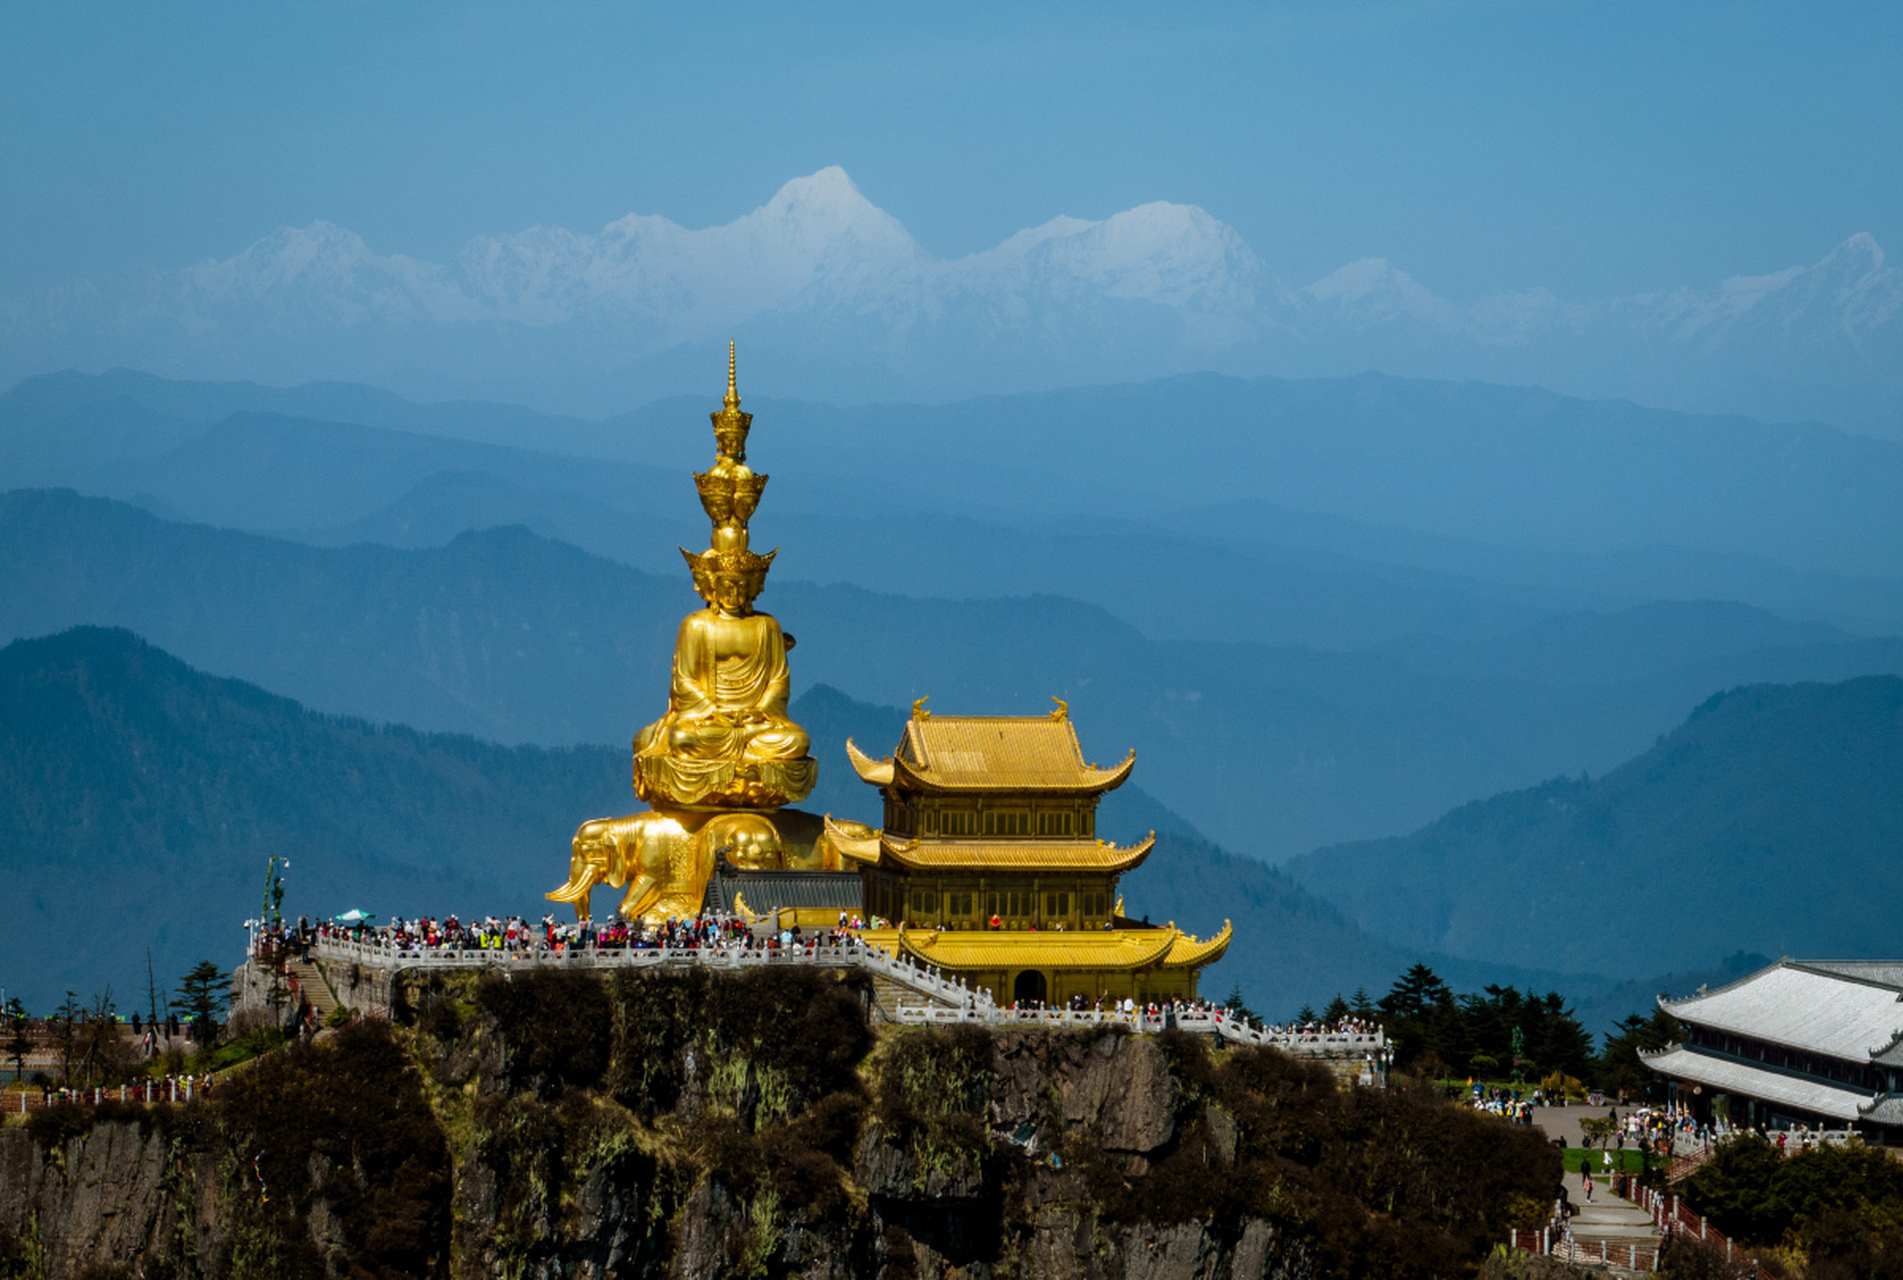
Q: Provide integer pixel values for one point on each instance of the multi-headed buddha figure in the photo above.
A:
(717, 768)
(726, 740)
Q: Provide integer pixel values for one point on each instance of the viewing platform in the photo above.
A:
(361, 974)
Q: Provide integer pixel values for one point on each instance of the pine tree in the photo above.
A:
(1234, 1004)
(19, 1043)
(201, 994)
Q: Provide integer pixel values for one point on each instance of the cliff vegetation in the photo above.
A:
(683, 1124)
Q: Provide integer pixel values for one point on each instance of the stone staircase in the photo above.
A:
(314, 986)
(890, 994)
(1612, 1232)
(1687, 1163)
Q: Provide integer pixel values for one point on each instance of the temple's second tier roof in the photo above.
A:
(1167, 947)
(902, 853)
(1012, 855)
(989, 754)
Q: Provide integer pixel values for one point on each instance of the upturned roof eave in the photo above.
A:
(895, 850)
(1088, 781)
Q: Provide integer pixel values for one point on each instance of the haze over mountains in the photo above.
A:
(1771, 818)
(1321, 611)
(1271, 749)
(842, 304)
(1340, 513)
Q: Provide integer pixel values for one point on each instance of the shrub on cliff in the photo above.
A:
(1385, 1182)
(342, 1124)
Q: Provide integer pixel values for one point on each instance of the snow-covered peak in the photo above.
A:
(1372, 291)
(834, 279)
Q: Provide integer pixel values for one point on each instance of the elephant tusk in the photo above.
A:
(574, 891)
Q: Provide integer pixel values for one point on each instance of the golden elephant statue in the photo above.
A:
(666, 858)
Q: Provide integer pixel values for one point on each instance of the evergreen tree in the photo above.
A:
(1415, 993)
(1620, 1069)
(1419, 1015)
(1234, 1004)
(19, 1043)
(1337, 1010)
(201, 994)
(66, 1032)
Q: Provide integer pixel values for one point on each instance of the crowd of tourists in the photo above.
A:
(518, 934)
(1677, 1129)
(1515, 1105)
(1315, 1030)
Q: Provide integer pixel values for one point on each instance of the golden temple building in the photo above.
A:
(988, 866)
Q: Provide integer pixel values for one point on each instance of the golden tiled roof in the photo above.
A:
(877, 772)
(1033, 949)
(1012, 855)
(852, 846)
(1193, 953)
(989, 753)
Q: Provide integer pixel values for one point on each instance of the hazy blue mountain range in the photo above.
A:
(1770, 820)
(1188, 507)
(1272, 750)
(143, 798)
(845, 304)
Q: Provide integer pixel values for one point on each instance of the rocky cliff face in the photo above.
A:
(685, 1126)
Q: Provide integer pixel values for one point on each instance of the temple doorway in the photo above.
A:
(1029, 988)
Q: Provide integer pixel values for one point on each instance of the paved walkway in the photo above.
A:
(1563, 1122)
(1608, 1218)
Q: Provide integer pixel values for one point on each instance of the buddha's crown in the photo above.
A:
(729, 493)
(730, 425)
(746, 566)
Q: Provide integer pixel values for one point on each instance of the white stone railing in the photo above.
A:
(1199, 1022)
(853, 954)
(955, 1001)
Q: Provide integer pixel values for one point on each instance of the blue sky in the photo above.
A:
(1594, 148)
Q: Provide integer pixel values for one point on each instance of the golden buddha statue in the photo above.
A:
(718, 766)
(726, 740)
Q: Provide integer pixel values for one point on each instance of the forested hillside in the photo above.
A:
(1771, 820)
(143, 799)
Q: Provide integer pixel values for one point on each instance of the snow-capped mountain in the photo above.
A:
(852, 306)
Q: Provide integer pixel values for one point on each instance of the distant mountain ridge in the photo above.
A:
(1272, 750)
(1589, 504)
(841, 302)
(1770, 820)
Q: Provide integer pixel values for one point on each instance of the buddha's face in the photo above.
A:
(730, 595)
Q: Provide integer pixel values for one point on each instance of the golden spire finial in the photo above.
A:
(733, 391)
